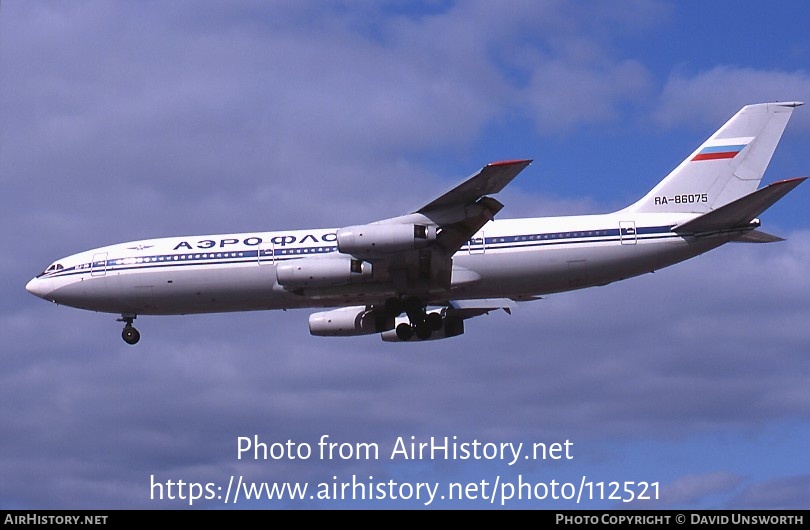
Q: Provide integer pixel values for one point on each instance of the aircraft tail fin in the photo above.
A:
(727, 166)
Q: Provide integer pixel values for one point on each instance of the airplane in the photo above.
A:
(421, 275)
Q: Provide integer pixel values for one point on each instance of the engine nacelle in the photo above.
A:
(348, 322)
(381, 238)
(321, 272)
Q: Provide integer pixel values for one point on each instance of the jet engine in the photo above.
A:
(348, 322)
(380, 238)
(322, 272)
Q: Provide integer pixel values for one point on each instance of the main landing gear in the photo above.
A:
(422, 324)
(129, 334)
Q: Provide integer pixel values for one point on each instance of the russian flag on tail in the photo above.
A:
(717, 152)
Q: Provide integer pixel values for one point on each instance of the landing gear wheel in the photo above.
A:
(421, 324)
(393, 307)
(404, 332)
(130, 334)
(423, 331)
(434, 321)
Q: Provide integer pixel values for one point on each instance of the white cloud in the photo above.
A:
(564, 95)
(711, 96)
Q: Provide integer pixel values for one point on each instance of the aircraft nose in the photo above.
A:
(36, 287)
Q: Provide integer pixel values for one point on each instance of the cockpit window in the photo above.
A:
(53, 267)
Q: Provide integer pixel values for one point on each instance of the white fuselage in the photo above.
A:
(513, 258)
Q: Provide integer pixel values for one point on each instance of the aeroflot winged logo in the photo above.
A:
(421, 275)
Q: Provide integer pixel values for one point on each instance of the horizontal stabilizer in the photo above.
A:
(758, 236)
(739, 213)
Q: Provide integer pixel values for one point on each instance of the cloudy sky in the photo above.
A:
(129, 120)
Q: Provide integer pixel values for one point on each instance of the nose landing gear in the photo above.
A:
(129, 334)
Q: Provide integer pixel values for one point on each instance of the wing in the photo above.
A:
(491, 179)
(405, 264)
(462, 211)
(413, 252)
